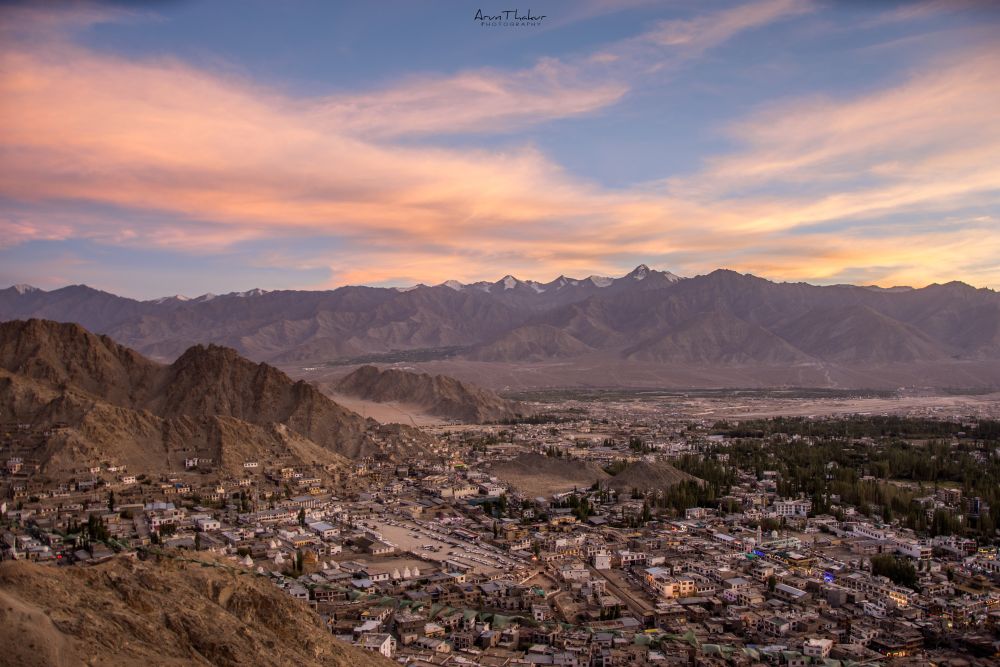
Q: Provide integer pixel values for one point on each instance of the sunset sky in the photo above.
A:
(187, 147)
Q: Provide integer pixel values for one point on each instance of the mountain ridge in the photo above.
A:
(101, 401)
(721, 319)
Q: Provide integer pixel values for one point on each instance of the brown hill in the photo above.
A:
(215, 380)
(438, 394)
(648, 476)
(101, 402)
(540, 475)
(127, 612)
(67, 354)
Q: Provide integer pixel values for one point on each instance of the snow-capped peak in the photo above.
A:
(208, 296)
(410, 288)
(562, 281)
(639, 273)
(175, 297)
(253, 292)
(601, 281)
(25, 289)
(509, 282)
(454, 284)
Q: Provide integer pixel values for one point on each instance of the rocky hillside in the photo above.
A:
(68, 355)
(126, 612)
(436, 394)
(216, 380)
(98, 401)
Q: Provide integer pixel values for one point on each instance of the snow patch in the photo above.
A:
(175, 297)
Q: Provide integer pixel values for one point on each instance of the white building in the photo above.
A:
(817, 648)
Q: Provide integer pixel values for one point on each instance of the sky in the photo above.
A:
(161, 148)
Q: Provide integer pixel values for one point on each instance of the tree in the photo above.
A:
(897, 570)
(772, 582)
(95, 529)
(111, 501)
(646, 515)
(302, 517)
(197, 541)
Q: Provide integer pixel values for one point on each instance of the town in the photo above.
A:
(594, 533)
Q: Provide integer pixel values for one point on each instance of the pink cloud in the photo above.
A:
(708, 30)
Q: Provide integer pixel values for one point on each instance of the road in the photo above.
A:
(636, 605)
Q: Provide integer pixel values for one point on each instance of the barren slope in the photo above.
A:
(539, 475)
(648, 476)
(170, 613)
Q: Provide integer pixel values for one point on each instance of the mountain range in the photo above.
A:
(98, 402)
(654, 318)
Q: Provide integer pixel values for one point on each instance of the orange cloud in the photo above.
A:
(481, 102)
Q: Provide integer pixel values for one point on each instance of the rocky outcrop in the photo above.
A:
(127, 612)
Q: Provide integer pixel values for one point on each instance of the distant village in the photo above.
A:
(446, 562)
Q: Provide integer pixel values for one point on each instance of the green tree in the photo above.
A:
(899, 571)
